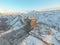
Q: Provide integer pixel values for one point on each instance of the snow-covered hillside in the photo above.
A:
(49, 22)
(52, 21)
(51, 17)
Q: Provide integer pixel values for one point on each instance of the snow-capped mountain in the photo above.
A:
(50, 17)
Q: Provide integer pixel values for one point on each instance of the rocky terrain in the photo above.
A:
(49, 27)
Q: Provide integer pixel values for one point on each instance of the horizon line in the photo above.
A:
(26, 11)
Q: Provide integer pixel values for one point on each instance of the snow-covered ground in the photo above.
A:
(44, 36)
(49, 32)
(30, 40)
(50, 18)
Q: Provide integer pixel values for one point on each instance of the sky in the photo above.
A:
(22, 5)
